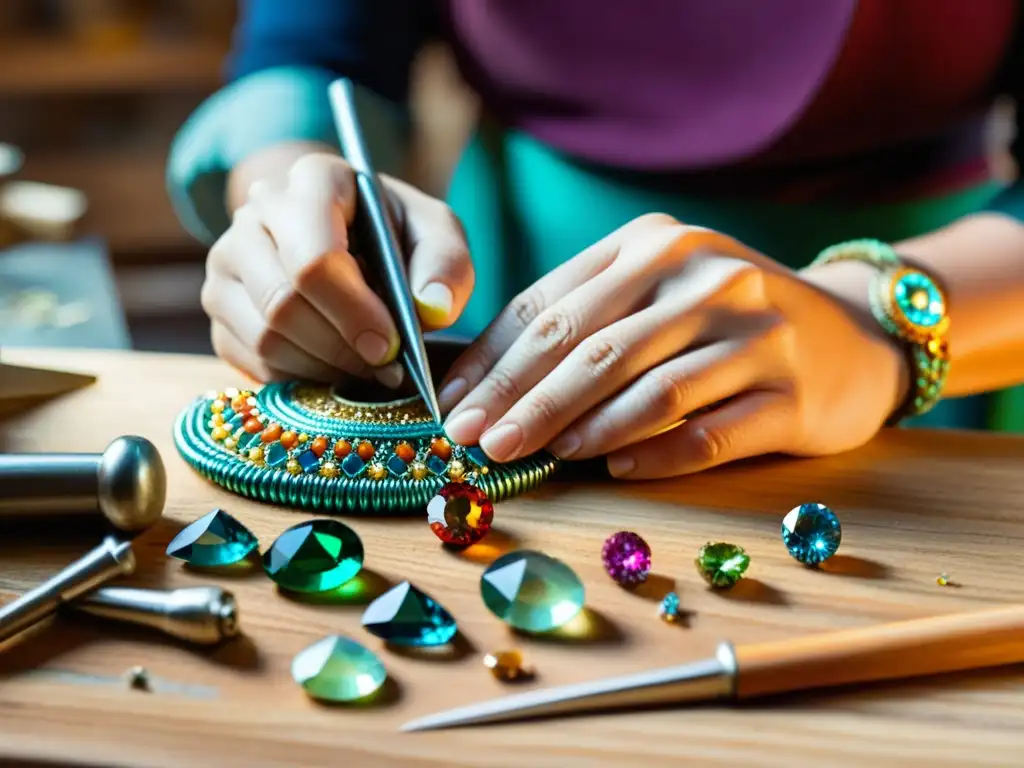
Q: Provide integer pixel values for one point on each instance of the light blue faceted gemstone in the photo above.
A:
(436, 465)
(338, 669)
(396, 466)
(919, 299)
(353, 465)
(531, 591)
(214, 539)
(275, 455)
(811, 533)
(406, 616)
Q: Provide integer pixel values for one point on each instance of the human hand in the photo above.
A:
(610, 353)
(286, 295)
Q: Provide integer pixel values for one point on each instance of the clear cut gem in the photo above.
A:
(338, 669)
(531, 591)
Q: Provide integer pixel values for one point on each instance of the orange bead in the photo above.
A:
(365, 450)
(342, 448)
(252, 426)
(405, 452)
(318, 446)
(240, 404)
(271, 433)
(441, 448)
(288, 439)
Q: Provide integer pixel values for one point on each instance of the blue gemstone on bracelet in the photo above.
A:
(476, 455)
(919, 298)
(811, 533)
(437, 465)
(309, 461)
(353, 465)
(275, 455)
(396, 466)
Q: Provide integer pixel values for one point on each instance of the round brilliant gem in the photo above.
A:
(627, 558)
(811, 533)
(919, 299)
(460, 514)
(721, 564)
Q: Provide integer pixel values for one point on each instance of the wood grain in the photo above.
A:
(913, 505)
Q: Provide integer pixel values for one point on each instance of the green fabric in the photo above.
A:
(258, 111)
(526, 209)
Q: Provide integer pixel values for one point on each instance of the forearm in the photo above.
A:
(980, 261)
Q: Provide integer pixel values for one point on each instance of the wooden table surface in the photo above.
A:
(912, 505)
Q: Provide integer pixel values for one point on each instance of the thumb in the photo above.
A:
(440, 270)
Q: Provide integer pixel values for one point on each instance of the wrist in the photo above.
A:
(849, 283)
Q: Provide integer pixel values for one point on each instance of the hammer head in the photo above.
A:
(132, 484)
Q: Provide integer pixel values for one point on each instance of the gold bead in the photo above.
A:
(231, 393)
(376, 471)
(217, 406)
(230, 443)
(456, 470)
(329, 469)
(418, 470)
(218, 419)
(506, 666)
(219, 433)
(303, 438)
(294, 467)
(256, 454)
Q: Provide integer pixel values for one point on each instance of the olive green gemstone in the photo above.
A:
(531, 591)
(315, 556)
(338, 669)
(722, 565)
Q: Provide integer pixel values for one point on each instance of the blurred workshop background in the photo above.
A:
(91, 93)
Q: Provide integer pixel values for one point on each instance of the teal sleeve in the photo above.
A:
(268, 107)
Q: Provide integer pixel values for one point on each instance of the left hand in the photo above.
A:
(610, 352)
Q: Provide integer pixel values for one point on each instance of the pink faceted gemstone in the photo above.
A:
(627, 558)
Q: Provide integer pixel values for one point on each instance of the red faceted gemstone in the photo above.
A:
(460, 514)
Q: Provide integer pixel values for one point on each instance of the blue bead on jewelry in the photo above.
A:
(811, 533)
(919, 299)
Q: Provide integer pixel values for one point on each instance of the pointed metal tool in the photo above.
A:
(886, 652)
(388, 256)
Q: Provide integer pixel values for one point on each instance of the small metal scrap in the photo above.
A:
(138, 679)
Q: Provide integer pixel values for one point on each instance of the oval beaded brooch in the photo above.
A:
(308, 446)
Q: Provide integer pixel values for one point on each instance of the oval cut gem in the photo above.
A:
(338, 669)
(532, 591)
(406, 616)
(314, 556)
(214, 539)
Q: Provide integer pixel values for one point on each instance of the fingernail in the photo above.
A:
(566, 445)
(465, 428)
(373, 347)
(390, 375)
(434, 303)
(621, 465)
(502, 443)
(451, 393)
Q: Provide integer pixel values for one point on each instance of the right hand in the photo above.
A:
(286, 297)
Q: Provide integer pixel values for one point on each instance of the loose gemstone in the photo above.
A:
(942, 580)
(309, 461)
(365, 450)
(436, 465)
(811, 533)
(314, 556)
(214, 539)
(275, 455)
(376, 471)
(406, 616)
(342, 448)
(669, 608)
(531, 591)
(627, 558)
(396, 466)
(722, 565)
(289, 439)
(253, 425)
(271, 433)
(319, 446)
(329, 469)
(506, 666)
(460, 514)
(405, 452)
(338, 669)
(441, 448)
(352, 465)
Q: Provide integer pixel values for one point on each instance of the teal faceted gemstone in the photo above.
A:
(437, 465)
(314, 556)
(248, 440)
(275, 455)
(406, 616)
(338, 669)
(214, 539)
(396, 466)
(353, 465)
(531, 591)
(919, 298)
(476, 455)
(811, 533)
(309, 462)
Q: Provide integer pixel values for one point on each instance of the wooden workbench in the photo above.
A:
(912, 505)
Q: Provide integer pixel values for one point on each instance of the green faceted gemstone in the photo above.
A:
(531, 591)
(314, 556)
(212, 540)
(721, 564)
(338, 669)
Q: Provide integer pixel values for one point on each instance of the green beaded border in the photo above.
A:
(343, 494)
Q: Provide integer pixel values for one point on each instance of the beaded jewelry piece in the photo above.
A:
(308, 446)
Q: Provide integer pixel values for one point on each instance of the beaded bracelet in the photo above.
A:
(912, 307)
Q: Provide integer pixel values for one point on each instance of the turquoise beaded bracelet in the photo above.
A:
(911, 306)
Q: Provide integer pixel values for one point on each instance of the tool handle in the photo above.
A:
(39, 484)
(889, 651)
